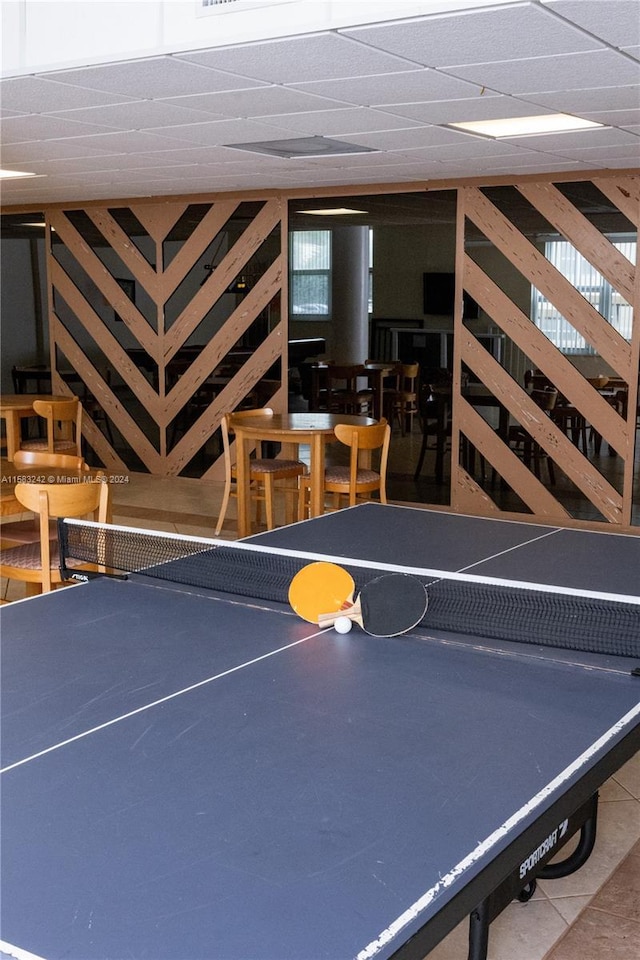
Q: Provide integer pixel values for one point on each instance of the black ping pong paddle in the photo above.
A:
(386, 606)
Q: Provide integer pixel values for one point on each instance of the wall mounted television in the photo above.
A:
(438, 294)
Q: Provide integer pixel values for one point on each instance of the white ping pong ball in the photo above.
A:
(342, 625)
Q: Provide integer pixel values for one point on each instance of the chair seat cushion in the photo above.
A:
(339, 474)
(27, 557)
(275, 466)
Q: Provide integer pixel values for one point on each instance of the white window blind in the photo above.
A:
(310, 273)
(593, 287)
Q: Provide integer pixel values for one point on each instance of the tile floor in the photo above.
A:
(593, 915)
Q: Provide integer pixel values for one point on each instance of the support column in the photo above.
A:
(350, 295)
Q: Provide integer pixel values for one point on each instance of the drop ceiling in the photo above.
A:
(167, 125)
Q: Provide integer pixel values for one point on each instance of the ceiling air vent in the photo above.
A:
(206, 7)
(302, 147)
(221, 6)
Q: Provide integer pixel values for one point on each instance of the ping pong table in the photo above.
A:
(191, 773)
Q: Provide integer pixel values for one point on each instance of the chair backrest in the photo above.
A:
(64, 420)
(545, 399)
(363, 439)
(37, 458)
(51, 500)
(539, 381)
(408, 374)
(226, 427)
(345, 374)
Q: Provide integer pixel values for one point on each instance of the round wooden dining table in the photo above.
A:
(290, 430)
(15, 407)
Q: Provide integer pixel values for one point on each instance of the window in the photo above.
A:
(310, 273)
(592, 285)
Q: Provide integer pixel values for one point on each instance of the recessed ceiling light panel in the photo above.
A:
(525, 126)
(301, 147)
(15, 174)
(332, 212)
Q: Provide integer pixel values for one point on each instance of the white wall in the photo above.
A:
(43, 34)
(401, 254)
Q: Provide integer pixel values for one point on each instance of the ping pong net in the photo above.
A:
(458, 603)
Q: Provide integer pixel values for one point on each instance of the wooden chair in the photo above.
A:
(40, 458)
(359, 479)
(403, 401)
(435, 415)
(523, 441)
(264, 471)
(64, 427)
(343, 394)
(38, 563)
(568, 418)
(28, 531)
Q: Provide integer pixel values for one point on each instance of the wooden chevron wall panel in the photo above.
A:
(164, 315)
(611, 418)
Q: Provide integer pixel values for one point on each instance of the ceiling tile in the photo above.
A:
(352, 120)
(583, 101)
(470, 37)
(617, 24)
(35, 127)
(260, 101)
(470, 147)
(602, 155)
(577, 139)
(610, 163)
(55, 150)
(407, 87)
(37, 95)
(190, 153)
(410, 138)
(496, 167)
(134, 141)
(615, 118)
(157, 77)
(221, 132)
(452, 111)
(322, 56)
(571, 72)
(135, 115)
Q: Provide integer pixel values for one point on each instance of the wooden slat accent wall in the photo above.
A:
(468, 426)
(89, 344)
(81, 339)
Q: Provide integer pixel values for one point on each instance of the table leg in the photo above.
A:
(12, 428)
(378, 383)
(290, 451)
(316, 493)
(243, 481)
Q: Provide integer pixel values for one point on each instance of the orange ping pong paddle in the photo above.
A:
(321, 588)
